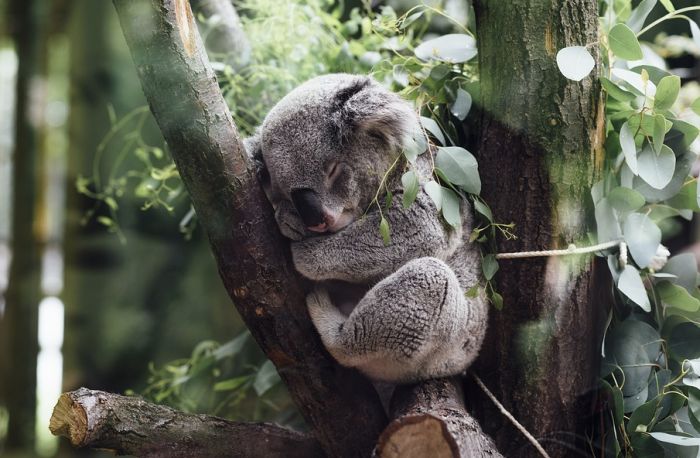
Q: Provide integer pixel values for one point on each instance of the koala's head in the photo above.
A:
(325, 148)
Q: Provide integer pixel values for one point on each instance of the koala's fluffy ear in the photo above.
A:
(364, 106)
(253, 147)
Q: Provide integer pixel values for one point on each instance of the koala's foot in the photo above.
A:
(413, 325)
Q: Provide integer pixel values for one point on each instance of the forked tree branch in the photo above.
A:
(340, 405)
(132, 426)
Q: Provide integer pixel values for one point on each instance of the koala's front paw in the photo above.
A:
(289, 222)
(307, 259)
(320, 305)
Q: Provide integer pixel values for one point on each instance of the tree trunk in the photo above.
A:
(339, 404)
(131, 426)
(540, 149)
(18, 325)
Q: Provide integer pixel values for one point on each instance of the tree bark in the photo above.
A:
(540, 149)
(429, 419)
(223, 33)
(18, 324)
(132, 426)
(254, 263)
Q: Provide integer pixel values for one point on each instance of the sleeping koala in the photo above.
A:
(323, 151)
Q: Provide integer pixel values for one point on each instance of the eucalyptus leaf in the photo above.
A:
(410, 184)
(630, 284)
(625, 199)
(608, 227)
(677, 297)
(462, 104)
(484, 210)
(658, 133)
(643, 237)
(656, 169)
(695, 32)
(632, 346)
(695, 106)
(684, 341)
(683, 164)
(460, 167)
(453, 48)
(629, 148)
(434, 191)
(667, 92)
(684, 266)
(635, 81)
(489, 266)
(575, 62)
(385, 231)
(431, 126)
(668, 5)
(616, 91)
(639, 15)
(677, 439)
(266, 378)
(450, 207)
(624, 43)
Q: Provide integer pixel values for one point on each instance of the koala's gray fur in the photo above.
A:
(331, 141)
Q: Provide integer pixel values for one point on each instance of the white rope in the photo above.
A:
(510, 417)
(572, 249)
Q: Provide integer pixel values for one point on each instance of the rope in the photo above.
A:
(572, 249)
(510, 417)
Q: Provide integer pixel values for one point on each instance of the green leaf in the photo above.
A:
(606, 221)
(658, 133)
(453, 48)
(668, 5)
(667, 92)
(625, 199)
(639, 15)
(643, 415)
(635, 81)
(459, 167)
(388, 199)
(266, 378)
(384, 230)
(630, 284)
(410, 184)
(643, 237)
(462, 104)
(575, 62)
(231, 384)
(632, 346)
(431, 126)
(484, 210)
(616, 405)
(105, 221)
(450, 207)
(497, 300)
(684, 341)
(677, 297)
(434, 191)
(695, 32)
(616, 91)
(687, 197)
(695, 106)
(489, 266)
(624, 44)
(685, 268)
(629, 148)
(677, 438)
(656, 170)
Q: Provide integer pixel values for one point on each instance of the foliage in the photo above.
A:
(651, 353)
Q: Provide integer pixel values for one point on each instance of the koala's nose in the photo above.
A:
(308, 205)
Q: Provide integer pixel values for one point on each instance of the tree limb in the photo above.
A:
(430, 420)
(132, 426)
(254, 263)
(223, 33)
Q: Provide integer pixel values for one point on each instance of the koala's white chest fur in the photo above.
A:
(401, 314)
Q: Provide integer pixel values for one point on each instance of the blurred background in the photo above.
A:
(105, 279)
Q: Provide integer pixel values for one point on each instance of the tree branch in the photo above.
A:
(254, 263)
(430, 420)
(223, 33)
(132, 426)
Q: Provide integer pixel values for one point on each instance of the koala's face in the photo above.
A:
(326, 147)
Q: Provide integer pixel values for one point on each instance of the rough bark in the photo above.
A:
(539, 151)
(340, 405)
(132, 426)
(18, 325)
(223, 33)
(429, 419)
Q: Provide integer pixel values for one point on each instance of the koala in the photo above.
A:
(398, 312)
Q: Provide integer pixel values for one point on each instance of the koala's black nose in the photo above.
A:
(309, 206)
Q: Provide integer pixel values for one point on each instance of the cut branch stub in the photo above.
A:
(129, 425)
(252, 257)
(429, 419)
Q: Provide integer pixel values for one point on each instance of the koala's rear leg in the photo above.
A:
(414, 324)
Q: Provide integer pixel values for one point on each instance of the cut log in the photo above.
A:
(132, 426)
(430, 420)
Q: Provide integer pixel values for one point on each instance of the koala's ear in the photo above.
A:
(253, 147)
(364, 106)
